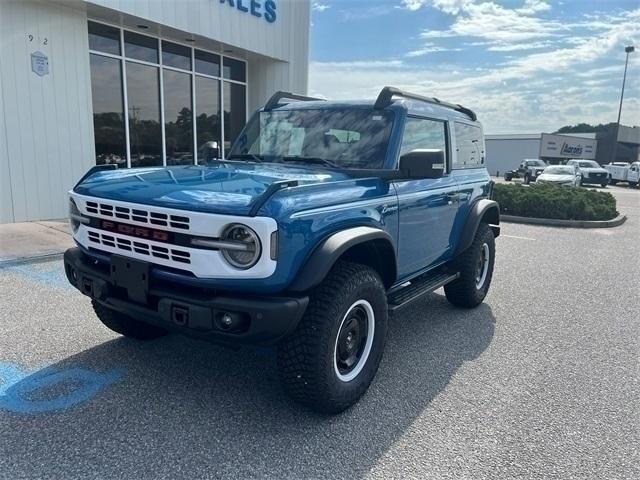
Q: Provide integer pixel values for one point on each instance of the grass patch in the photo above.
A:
(550, 201)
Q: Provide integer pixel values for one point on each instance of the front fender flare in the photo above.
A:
(482, 209)
(318, 265)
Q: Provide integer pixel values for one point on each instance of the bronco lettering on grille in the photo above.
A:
(135, 231)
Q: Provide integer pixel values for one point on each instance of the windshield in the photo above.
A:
(338, 138)
(588, 164)
(535, 163)
(559, 170)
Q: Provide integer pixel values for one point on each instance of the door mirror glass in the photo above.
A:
(423, 163)
(209, 152)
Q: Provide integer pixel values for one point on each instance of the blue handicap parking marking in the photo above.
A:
(49, 274)
(22, 391)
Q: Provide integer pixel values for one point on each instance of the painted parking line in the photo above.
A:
(50, 389)
(519, 238)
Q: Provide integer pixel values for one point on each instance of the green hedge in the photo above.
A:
(549, 201)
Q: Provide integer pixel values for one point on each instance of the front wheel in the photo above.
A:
(475, 265)
(527, 179)
(328, 363)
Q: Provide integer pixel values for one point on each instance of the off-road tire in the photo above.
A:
(463, 292)
(125, 325)
(306, 358)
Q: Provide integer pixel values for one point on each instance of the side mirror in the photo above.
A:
(210, 151)
(423, 164)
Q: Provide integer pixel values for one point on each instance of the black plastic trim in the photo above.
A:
(386, 96)
(270, 317)
(274, 101)
(476, 213)
(330, 250)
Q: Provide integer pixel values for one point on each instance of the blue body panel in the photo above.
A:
(424, 218)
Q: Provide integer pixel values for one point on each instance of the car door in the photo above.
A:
(427, 207)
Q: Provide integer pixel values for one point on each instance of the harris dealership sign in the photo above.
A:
(261, 9)
(566, 146)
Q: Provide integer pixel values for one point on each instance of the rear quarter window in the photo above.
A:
(469, 146)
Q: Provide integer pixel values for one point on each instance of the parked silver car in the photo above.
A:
(564, 175)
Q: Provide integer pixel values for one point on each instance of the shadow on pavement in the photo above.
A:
(190, 409)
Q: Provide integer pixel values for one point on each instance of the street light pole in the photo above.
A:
(628, 50)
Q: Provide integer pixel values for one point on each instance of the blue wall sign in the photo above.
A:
(264, 9)
(25, 392)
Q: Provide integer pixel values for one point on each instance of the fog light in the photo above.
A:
(232, 322)
(226, 320)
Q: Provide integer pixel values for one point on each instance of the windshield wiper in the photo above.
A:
(245, 156)
(318, 160)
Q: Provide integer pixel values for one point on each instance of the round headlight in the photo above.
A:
(244, 246)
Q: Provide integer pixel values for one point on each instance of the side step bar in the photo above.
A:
(419, 286)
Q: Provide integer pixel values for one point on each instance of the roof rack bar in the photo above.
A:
(386, 96)
(274, 101)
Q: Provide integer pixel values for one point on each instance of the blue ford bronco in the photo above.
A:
(323, 220)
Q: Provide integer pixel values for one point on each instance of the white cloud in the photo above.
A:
(572, 80)
(320, 7)
(448, 6)
(534, 6)
(430, 48)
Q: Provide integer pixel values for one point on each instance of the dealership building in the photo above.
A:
(135, 83)
(505, 152)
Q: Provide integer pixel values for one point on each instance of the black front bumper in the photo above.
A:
(190, 311)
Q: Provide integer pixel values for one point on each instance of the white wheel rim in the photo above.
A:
(366, 307)
(483, 269)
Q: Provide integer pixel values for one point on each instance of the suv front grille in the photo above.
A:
(126, 245)
(137, 215)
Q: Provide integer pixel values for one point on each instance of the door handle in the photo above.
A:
(453, 197)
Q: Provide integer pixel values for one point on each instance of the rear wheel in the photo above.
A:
(328, 363)
(125, 325)
(475, 265)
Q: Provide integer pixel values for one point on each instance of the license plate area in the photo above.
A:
(132, 275)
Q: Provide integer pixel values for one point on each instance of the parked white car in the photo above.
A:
(563, 175)
(591, 172)
(624, 172)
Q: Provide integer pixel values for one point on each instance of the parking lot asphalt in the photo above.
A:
(541, 381)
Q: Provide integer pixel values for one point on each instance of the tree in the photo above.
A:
(586, 128)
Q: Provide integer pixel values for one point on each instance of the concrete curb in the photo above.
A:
(554, 222)
(12, 262)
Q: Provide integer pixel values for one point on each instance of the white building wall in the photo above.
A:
(506, 153)
(47, 128)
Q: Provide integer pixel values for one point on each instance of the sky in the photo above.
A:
(525, 66)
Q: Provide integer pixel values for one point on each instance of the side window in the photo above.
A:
(420, 133)
(469, 146)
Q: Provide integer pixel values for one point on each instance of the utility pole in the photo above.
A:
(614, 151)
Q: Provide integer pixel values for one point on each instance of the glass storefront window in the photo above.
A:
(235, 112)
(104, 38)
(235, 70)
(207, 63)
(163, 90)
(208, 125)
(141, 47)
(108, 110)
(178, 123)
(174, 55)
(145, 133)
